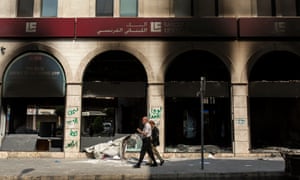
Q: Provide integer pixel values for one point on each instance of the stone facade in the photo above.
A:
(154, 54)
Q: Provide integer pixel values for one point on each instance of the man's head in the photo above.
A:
(145, 119)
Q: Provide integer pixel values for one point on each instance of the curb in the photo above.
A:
(192, 176)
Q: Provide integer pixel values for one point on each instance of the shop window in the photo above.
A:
(49, 8)
(128, 8)
(104, 7)
(183, 8)
(25, 8)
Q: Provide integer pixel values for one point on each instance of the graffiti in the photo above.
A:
(72, 144)
(73, 133)
(155, 113)
(72, 122)
(241, 121)
(72, 111)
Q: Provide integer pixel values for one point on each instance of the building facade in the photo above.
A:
(71, 72)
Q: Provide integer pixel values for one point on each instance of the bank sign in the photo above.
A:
(117, 27)
(156, 27)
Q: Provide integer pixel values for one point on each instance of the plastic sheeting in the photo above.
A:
(116, 147)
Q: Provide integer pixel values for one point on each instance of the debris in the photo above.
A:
(114, 149)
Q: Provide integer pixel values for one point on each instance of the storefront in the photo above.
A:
(33, 102)
(274, 92)
(114, 97)
(182, 100)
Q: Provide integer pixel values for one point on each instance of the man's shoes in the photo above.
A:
(153, 165)
(162, 162)
(137, 166)
(148, 164)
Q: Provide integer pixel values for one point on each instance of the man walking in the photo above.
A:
(155, 142)
(146, 147)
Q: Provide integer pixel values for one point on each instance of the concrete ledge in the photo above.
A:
(3, 155)
(81, 155)
(195, 176)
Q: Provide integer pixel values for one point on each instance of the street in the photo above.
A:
(117, 169)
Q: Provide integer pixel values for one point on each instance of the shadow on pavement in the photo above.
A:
(25, 171)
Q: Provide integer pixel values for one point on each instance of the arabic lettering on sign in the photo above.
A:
(127, 29)
(145, 28)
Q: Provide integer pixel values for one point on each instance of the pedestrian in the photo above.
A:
(155, 142)
(146, 147)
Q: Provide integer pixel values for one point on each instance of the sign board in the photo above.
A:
(156, 27)
(37, 27)
(269, 27)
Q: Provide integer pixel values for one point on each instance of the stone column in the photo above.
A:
(2, 119)
(156, 110)
(241, 137)
(72, 118)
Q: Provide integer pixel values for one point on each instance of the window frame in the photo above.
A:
(136, 14)
(191, 9)
(42, 9)
(19, 10)
(99, 14)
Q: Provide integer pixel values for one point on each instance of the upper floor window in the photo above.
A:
(25, 8)
(183, 8)
(206, 8)
(129, 8)
(297, 8)
(277, 7)
(49, 8)
(104, 7)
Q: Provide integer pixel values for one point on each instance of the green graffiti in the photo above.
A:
(241, 121)
(73, 133)
(155, 113)
(73, 121)
(72, 111)
(72, 144)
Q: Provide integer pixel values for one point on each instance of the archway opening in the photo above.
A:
(182, 103)
(33, 102)
(114, 97)
(274, 90)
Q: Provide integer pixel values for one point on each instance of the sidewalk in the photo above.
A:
(116, 169)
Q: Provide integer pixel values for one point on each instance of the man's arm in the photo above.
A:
(141, 132)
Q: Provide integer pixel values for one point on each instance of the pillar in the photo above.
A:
(2, 119)
(72, 118)
(156, 103)
(241, 134)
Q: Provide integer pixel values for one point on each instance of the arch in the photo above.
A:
(273, 99)
(37, 47)
(170, 58)
(114, 83)
(34, 74)
(182, 102)
(138, 55)
(259, 53)
(277, 68)
(115, 66)
(43, 93)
